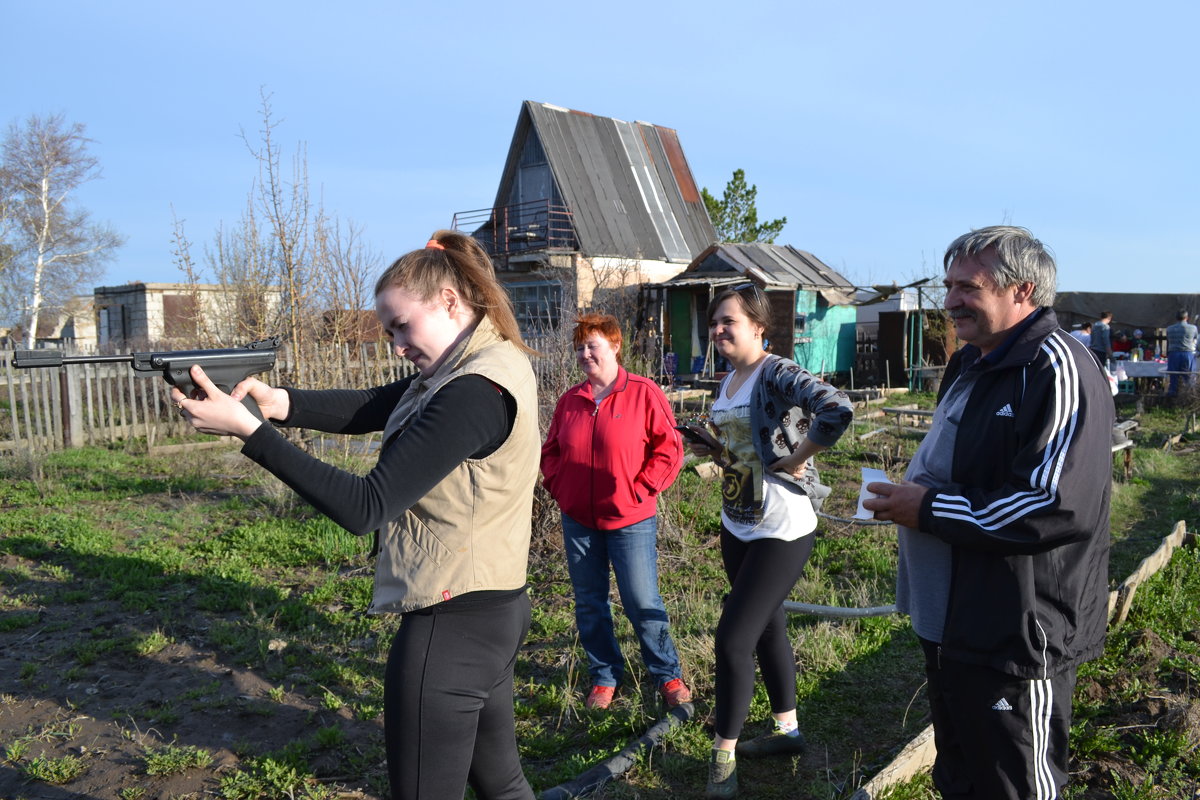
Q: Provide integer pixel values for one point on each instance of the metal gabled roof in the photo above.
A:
(627, 185)
(769, 264)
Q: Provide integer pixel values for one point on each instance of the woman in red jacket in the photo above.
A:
(612, 447)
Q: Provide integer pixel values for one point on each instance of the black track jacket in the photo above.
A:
(1027, 514)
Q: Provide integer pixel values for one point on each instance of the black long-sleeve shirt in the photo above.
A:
(467, 418)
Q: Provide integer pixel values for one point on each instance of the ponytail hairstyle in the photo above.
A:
(456, 260)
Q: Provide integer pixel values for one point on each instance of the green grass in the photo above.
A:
(172, 759)
(179, 552)
(54, 770)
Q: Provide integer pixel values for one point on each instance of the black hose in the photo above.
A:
(600, 774)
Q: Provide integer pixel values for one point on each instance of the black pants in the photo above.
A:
(998, 737)
(448, 702)
(761, 575)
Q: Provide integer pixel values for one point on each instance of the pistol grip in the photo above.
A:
(182, 378)
(252, 406)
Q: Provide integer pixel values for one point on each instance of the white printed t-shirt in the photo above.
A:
(754, 503)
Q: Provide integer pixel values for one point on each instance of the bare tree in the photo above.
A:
(54, 248)
(288, 213)
(341, 286)
(285, 267)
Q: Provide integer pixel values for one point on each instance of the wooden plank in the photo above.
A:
(89, 383)
(31, 400)
(73, 405)
(12, 401)
(130, 395)
(110, 418)
(146, 418)
(59, 400)
(45, 407)
(919, 412)
(30, 431)
(916, 757)
(1150, 565)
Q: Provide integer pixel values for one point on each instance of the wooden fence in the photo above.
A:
(95, 403)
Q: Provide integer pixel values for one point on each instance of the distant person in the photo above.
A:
(1141, 345)
(1101, 343)
(1003, 525)
(1122, 345)
(450, 497)
(770, 416)
(1181, 352)
(612, 448)
(1084, 333)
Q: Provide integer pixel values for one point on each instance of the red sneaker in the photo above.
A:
(675, 692)
(600, 697)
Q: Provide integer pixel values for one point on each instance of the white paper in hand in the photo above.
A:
(869, 475)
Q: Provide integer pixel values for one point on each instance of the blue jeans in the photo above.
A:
(1180, 362)
(633, 553)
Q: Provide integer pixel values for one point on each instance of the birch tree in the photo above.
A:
(54, 248)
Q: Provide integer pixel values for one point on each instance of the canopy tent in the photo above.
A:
(1145, 311)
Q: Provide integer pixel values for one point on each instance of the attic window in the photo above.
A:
(532, 154)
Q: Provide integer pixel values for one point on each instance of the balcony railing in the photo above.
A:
(520, 228)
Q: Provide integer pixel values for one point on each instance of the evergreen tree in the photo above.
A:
(735, 216)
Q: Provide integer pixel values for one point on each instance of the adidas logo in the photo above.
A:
(1006, 411)
(1002, 704)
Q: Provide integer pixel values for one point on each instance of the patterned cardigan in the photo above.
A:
(789, 403)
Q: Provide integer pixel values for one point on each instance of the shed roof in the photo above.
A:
(627, 185)
(769, 265)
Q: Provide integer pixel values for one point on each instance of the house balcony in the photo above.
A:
(508, 231)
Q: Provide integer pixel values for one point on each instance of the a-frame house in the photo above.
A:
(588, 204)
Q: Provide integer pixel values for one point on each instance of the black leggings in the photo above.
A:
(761, 574)
(448, 702)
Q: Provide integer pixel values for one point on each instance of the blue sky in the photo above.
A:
(881, 130)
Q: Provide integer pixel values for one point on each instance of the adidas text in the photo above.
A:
(1002, 705)
(1006, 411)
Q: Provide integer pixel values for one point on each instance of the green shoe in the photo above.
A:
(772, 744)
(722, 776)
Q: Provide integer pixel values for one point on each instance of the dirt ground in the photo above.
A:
(114, 709)
(103, 717)
(1165, 699)
(97, 718)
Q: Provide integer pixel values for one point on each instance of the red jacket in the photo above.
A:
(605, 467)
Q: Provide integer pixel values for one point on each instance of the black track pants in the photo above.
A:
(998, 737)
(448, 703)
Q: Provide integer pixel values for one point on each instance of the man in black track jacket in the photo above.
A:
(1003, 525)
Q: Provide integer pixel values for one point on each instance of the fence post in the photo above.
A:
(58, 433)
(72, 404)
(89, 381)
(12, 402)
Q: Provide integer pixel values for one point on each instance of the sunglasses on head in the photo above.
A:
(753, 287)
